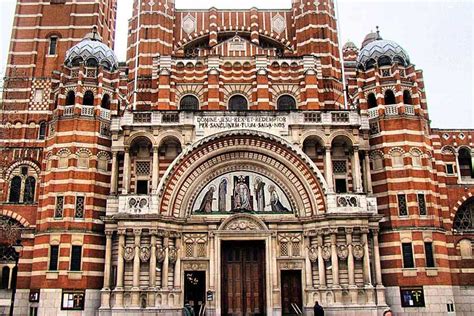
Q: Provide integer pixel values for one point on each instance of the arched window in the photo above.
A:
(76, 62)
(397, 159)
(286, 103)
(465, 163)
(370, 64)
(372, 101)
(15, 189)
(384, 61)
(464, 216)
(42, 130)
(71, 98)
(88, 98)
(238, 103)
(92, 62)
(407, 97)
(189, 103)
(30, 186)
(105, 102)
(389, 97)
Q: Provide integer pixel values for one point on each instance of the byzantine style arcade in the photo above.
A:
(239, 160)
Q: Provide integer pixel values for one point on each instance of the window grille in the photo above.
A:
(80, 201)
(295, 248)
(284, 249)
(407, 250)
(201, 249)
(142, 168)
(141, 118)
(189, 250)
(340, 117)
(58, 211)
(53, 257)
(339, 166)
(402, 205)
(422, 204)
(463, 219)
(312, 117)
(168, 118)
(386, 72)
(76, 254)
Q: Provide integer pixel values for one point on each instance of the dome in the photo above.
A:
(349, 46)
(382, 52)
(369, 38)
(92, 52)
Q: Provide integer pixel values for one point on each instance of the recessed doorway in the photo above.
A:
(195, 289)
(243, 278)
(291, 292)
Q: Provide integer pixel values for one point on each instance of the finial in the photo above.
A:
(95, 33)
(378, 32)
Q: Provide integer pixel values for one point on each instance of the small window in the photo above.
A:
(53, 257)
(449, 169)
(450, 306)
(407, 251)
(142, 186)
(189, 103)
(73, 300)
(105, 102)
(76, 254)
(430, 262)
(29, 193)
(71, 98)
(88, 98)
(58, 210)
(238, 103)
(407, 97)
(15, 188)
(421, 204)
(372, 101)
(42, 131)
(341, 186)
(79, 211)
(402, 205)
(339, 166)
(389, 97)
(53, 45)
(397, 159)
(286, 103)
(5, 278)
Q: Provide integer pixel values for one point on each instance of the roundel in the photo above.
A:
(242, 172)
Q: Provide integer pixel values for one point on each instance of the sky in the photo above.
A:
(437, 34)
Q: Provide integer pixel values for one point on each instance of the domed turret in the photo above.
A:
(377, 51)
(350, 46)
(92, 52)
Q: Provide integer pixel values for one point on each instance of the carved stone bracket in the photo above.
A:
(327, 252)
(342, 252)
(313, 253)
(358, 251)
(145, 253)
(129, 253)
(160, 253)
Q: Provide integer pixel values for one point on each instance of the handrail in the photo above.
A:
(202, 310)
(297, 309)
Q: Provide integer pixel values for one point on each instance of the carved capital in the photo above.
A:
(122, 231)
(364, 230)
(137, 231)
(349, 230)
(109, 233)
(154, 232)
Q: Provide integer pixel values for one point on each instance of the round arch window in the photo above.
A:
(189, 103)
(238, 103)
(286, 103)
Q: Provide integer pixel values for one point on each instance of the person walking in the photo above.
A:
(318, 309)
(188, 309)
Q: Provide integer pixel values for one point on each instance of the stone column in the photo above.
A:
(351, 266)
(328, 170)
(212, 262)
(136, 270)
(152, 271)
(155, 170)
(378, 270)
(120, 268)
(105, 293)
(321, 266)
(368, 175)
(334, 259)
(366, 261)
(177, 269)
(309, 270)
(126, 171)
(114, 176)
(356, 170)
(458, 167)
(164, 275)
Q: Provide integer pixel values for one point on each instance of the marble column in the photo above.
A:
(212, 262)
(334, 259)
(368, 175)
(126, 171)
(120, 268)
(458, 167)
(164, 275)
(378, 269)
(328, 170)
(366, 260)
(309, 270)
(114, 175)
(136, 270)
(177, 267)
(155, 170)
(152, 268)
(351, 266)
(356, 171)
(105, 293)
(321, 265)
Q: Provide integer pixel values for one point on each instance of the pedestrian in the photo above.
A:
(188, 310)
(318, 309)
(388, 312)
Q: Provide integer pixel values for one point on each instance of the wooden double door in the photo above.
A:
(243, 278)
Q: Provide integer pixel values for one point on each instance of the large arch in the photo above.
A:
(256, 151)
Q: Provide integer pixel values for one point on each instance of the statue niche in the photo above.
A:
(241, 192)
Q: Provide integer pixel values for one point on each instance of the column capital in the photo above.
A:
(122, 231)
(355, 148)
(114, 154)
(375, 231)
(349, 230)
(333, 230)
(153, 232)
(137, 232)
(364, 230)
(109, 233)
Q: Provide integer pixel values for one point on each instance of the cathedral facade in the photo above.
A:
(239, 161)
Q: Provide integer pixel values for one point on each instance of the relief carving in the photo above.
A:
(160, 253)
(358, 251)
(313, 253)
(129, 253)
(342, 251)
(326, 252)
(145, 253)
